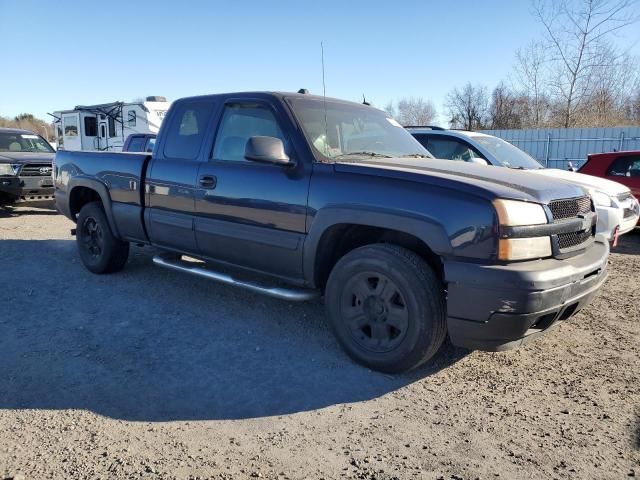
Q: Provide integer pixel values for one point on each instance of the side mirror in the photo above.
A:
(478, 161)
(266, 150)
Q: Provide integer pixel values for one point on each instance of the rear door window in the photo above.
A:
(187, 130)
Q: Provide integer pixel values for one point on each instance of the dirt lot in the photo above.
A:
(152, 374)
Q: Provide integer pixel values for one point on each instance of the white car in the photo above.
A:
(618, 210)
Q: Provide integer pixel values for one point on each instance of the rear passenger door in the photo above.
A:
(172, 176)
(248, 213)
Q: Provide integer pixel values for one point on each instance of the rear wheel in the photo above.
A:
(100, 251)
(386, 307)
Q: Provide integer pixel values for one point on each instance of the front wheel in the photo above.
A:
(386, 306)
(100, 251)
(6, 199)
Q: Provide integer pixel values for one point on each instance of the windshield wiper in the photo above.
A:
(363, 154)
(518, 168)
(415, 155)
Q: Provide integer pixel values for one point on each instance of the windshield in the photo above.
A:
(507, 154)
(23, 142)
(353, 131)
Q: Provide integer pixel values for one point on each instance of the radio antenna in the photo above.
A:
(324, 99)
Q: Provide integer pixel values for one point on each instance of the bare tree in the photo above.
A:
(530, 70)
(632, 108)
(414, 111)
(579, 37)
(391, 109)
(507, 109)
(27, 121)
(468, 108)
(612, 90)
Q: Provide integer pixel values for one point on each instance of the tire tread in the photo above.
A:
(433, 293)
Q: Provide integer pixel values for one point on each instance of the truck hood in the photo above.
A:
(487, 181)
(25, 157)
(589, 182)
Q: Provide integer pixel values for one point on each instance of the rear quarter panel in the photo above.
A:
(117, 177)
(121, 173)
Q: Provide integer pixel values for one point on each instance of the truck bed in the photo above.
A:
(121, 175)
(120, 172)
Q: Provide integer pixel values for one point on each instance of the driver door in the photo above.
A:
(248, 213)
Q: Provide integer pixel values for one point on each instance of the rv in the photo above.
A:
(105, 127)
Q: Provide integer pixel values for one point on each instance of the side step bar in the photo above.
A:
(293, 295)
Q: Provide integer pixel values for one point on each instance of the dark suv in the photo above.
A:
(25, 166)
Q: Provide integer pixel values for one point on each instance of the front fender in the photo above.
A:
(424, 228)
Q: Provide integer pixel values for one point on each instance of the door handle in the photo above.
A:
(208, 181)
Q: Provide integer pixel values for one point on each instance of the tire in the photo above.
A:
(100, 251)
(6, 199)
(386, 307)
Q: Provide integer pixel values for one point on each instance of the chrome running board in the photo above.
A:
(293, 295)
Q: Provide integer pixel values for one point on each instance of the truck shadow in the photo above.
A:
(25, 209)
(629, 243)
(636, 433)
(152, 345)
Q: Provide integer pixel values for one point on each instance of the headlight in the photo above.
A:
(513, 213)
(7, 169)
(601, 199)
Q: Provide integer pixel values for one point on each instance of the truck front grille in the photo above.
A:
(569, 208)
(573, 239)
(566, 210)
(36, 170)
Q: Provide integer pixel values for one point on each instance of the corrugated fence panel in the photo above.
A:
(556, 147)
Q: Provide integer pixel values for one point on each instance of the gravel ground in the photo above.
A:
(152, 374)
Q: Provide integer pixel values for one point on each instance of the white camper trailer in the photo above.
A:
(105, 127)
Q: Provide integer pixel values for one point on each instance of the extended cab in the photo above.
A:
(296, 196)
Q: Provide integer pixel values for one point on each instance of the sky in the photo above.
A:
(56, 55)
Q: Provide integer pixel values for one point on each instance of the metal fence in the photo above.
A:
(556, 147)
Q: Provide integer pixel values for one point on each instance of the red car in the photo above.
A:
(621, 167)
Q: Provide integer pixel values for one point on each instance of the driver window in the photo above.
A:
(239, 123)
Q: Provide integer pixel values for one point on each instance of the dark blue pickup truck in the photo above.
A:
(298, 196)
